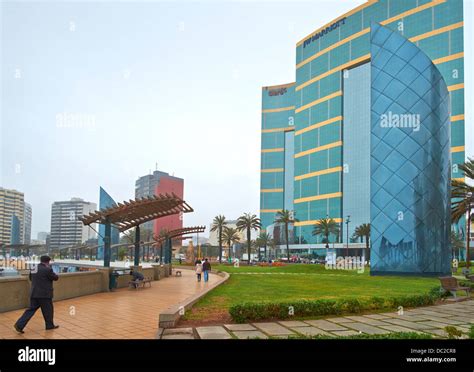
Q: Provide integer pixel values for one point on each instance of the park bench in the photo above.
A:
(139, 283)
(470, 277)
(450, 284)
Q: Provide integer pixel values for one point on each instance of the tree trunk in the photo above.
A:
(468, 256)
(220, 245)
(248, 245)
(287, 244)
(367, 249)
(266, 252)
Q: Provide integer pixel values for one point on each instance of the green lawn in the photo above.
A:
(273, 284)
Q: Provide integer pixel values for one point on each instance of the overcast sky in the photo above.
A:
(96, 93)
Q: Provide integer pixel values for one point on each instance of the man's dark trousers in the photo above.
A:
(46, 305)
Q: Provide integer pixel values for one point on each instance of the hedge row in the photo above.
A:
(246, 312)
(362, 336)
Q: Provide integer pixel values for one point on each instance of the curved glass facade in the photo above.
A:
(106, 201)
(410, 159)
(330, 102)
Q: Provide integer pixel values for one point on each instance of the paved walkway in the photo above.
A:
(123, 314)
(432, 320)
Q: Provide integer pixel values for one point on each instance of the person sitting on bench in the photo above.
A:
(137, 276)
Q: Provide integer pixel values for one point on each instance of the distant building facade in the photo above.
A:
(214, 235)
(160, 183)
(28, 213)
(12, 210)
(66, 229)
(41, 236)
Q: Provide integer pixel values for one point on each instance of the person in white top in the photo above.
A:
(198, 270)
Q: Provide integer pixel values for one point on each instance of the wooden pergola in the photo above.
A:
(173, 234)
(133, 213)
(177, 234)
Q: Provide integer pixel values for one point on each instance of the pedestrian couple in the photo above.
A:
(203, 268)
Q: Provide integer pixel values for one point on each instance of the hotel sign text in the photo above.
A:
(324, 31)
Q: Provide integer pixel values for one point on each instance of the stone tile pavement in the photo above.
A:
(431, 320)
(122, 314)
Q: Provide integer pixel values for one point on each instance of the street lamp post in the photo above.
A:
(347, 236)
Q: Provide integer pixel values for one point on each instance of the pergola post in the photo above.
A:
(168, 251)
(136, 256)
(107, 240)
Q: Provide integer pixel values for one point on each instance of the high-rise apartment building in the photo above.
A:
(27, 224)
(12, 209)
(66, 229)
(155, 184)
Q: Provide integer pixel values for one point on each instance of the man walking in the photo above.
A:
(41, 296)
(206, 267)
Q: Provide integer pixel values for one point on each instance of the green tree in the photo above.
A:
(285, 217)
(230, 236)
(264, 241)
(217, 225)
(248, 222)
(363, 232)
(324, 227)
(456, 244)
(463, 201)
(122, 253)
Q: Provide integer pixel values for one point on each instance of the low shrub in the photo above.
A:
(388, 336)
(471, 332)
(466, 283)
(246, 312)
(453, 332)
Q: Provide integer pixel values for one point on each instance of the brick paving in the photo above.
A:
(122, 314)
(431, 320)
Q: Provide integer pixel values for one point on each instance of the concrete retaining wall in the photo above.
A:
(72, 285)
(169, 318)
(15, 291)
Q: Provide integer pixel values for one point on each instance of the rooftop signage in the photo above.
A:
(324, 31)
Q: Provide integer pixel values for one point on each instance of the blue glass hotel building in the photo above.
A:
(373, 128)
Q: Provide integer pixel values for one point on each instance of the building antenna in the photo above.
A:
(156, 166)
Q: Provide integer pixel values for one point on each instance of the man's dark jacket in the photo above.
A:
(206, 266)
(42, 282)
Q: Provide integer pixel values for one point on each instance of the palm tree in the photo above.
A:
(363, 231)
(272, 247)
(217, 225)
(230, 236)
(456, 243)
(325, 227)
(263, 240)
(285, 217)
(463, 201)
(248, 222)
